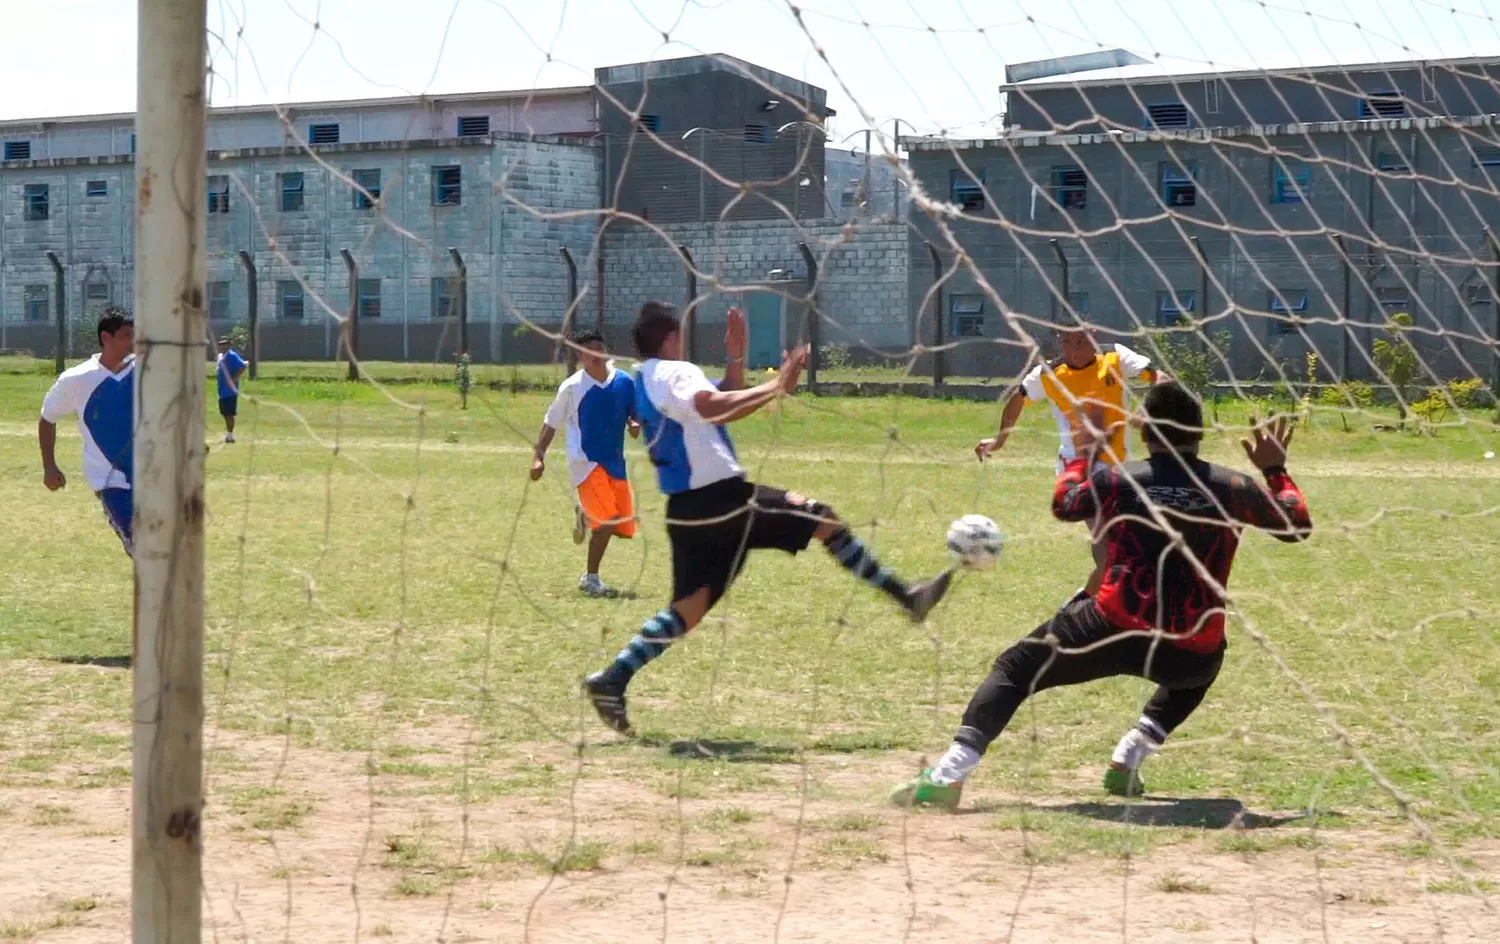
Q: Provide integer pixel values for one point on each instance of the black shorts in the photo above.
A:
(228, 405)
(1089, 648)
(739, 517)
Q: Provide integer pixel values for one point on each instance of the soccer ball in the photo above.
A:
(975, 542)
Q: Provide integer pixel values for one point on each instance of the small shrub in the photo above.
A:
(1191, 361)
(834, 357)
(1355, 393)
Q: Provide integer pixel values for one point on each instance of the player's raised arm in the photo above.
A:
(721, 406)
(1008, 419)
(1279, 508)
(736, 344)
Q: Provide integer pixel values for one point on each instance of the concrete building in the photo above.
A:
(1209, 201)
(410, 188)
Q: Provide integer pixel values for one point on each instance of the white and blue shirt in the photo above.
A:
(593, 415)
(688, 451)
(105, 404)
(229, 366)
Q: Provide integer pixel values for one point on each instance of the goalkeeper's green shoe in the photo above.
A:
(921, 791)
(1123, 783)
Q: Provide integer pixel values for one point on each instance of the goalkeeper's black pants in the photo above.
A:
(1087, 648)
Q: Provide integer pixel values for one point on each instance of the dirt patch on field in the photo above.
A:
(311, 846)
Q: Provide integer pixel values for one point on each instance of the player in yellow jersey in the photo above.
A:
(1084, 381)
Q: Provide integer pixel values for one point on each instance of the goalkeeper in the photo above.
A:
(1170, 527)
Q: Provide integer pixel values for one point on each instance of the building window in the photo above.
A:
(1487, 157)
(1388, 104)
(1179, 184)
(218, 194)
(38, 299)
(293, 197)
(38, 201)
(444, 297)
(1394, 297)
(218, 301)
(1391, 161)
(96, 188)
(757, 134)
(369, 298)
(323, 134)
(1283, 304)
(366, 188)
(95, 295)
(1071, 187)
(1291, 181)
(1171, 306)
(1211, 96)
(289, 300)
(968, 315)
(473, 126)
(848, 198)
(1476, 293)
(966, 191)
(650, 123)
(132, 142)
(1079, 301)
(18, 150)
(447, 186)
(1429, 90)
(1167, 115)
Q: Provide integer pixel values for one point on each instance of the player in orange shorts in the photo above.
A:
(596, 406)
(1084, 381)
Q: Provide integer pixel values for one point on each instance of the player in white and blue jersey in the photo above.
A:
(715, 515)
(228, 370)
(595, 406)
(101, 391)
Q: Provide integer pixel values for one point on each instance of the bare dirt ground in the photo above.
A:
(300, 848)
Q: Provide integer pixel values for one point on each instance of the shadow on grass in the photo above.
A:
(1197, 813)
(742, 752)
(102, 662)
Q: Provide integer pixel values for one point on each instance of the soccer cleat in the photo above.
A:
(924, 596)
(1122, 782)
(922, 791)
(609, 701)
(580, 526)
(591, 585)
(229, 437)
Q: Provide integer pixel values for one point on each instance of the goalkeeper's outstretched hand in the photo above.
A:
(1267, 445)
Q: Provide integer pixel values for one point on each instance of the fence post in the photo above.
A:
(937, 315)
(1346, 336)
(1062, 260)
(1489, 237)
(565, 335)
(252, 296)
(59, 285)
(690, 313)
(349, 333)
(463, 300)
(812, 317)
(167, 478)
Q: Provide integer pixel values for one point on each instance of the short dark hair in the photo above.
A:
(656, 322)
(589, 336)
(1174, 417)
(112, 319)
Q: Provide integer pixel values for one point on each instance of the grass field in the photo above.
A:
(397, 750)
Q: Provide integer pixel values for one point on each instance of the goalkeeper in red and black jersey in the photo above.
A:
(1170, 526)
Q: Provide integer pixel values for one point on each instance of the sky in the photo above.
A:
(934, 64)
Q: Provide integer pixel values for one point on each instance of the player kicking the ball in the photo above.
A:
(596, 405)
(1154, 617)
(715, 515)
(1084, 377)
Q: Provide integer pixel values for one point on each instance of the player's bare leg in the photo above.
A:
(598, 543)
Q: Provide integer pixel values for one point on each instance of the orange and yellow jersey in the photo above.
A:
(1100, 385)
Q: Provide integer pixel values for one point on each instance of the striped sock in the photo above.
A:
(656, 634)
(851, 552)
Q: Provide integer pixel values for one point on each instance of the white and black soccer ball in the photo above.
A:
(975, 542)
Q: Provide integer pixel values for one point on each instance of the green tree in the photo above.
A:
(1397, 359)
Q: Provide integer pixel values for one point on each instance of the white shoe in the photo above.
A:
(580, 526)
(229, 437)
(591, 585)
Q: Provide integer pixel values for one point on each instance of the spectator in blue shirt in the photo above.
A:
(231, 368)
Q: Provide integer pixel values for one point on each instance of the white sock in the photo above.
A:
(956, 765)
(1137, 745)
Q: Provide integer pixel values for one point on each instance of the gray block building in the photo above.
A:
(413, 188)
(1294, 210)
